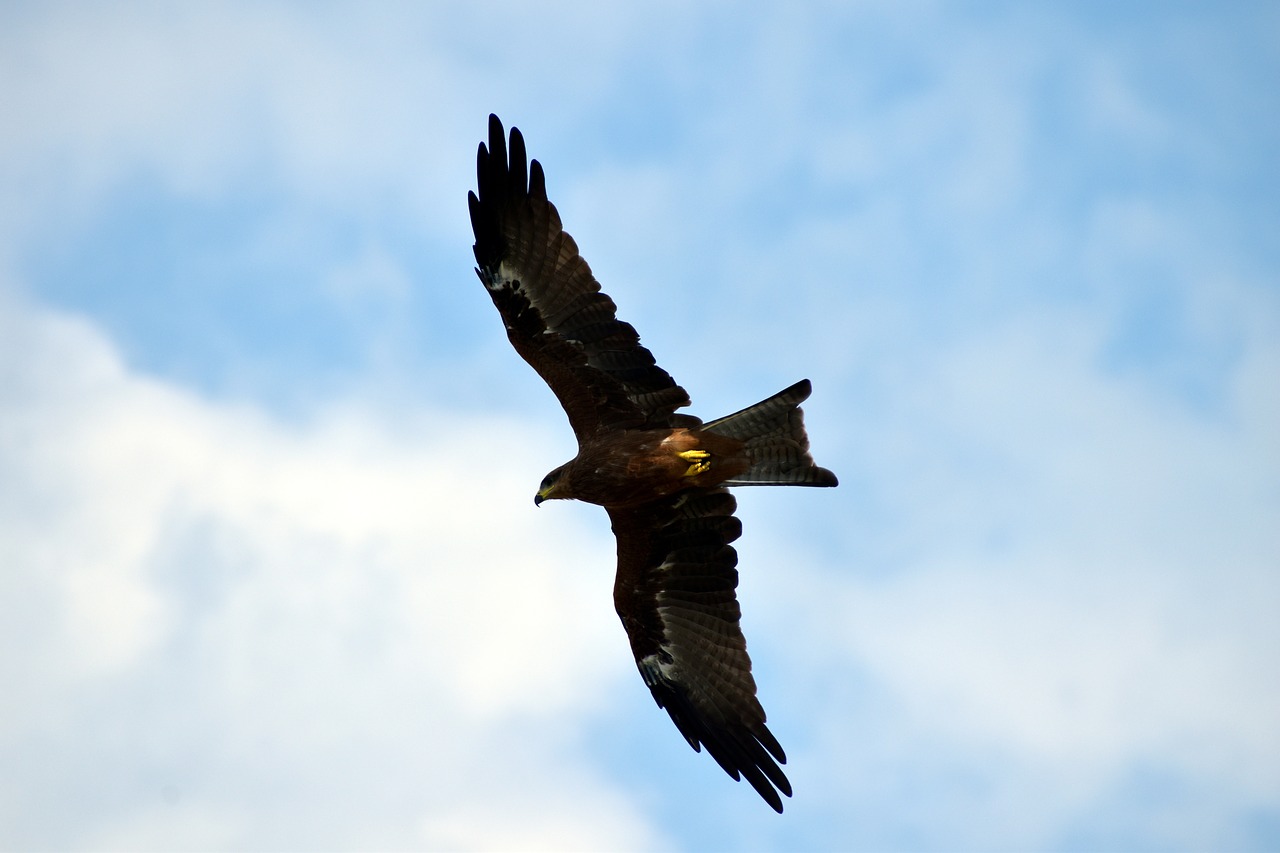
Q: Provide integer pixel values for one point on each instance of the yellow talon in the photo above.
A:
(701, 460)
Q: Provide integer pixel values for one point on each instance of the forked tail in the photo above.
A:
(776, 442)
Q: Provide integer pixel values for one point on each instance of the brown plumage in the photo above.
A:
(661, 475)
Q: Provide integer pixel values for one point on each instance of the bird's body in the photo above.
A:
(662, 476)
(633, 467)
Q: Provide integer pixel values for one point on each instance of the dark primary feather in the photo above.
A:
(675, 593)
(555, 315)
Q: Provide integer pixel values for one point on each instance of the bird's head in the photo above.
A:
(554, 486)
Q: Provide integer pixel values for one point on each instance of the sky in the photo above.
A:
(270, 572)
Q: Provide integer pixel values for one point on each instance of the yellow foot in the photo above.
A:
(701, 460)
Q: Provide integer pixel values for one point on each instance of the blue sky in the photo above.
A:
(270, 574)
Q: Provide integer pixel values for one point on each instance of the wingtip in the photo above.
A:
(537, 181)
(517, 171)
(742, 751)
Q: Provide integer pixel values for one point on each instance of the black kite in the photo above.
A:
(661, 476)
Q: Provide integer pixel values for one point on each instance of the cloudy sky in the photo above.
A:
(270, 572)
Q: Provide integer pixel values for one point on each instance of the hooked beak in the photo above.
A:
(547, 489)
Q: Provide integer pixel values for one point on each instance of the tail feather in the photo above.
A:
(775, 441)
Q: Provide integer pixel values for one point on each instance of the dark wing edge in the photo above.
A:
(555, 315)
(675, 594)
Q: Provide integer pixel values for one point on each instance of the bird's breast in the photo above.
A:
(632, 467)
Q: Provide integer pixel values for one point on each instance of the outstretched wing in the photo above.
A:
(556, 316)
(675, 595)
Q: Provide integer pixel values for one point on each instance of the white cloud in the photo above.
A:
(355, 583)
(1077, 584)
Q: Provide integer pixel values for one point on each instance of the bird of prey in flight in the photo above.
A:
(662, 476)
